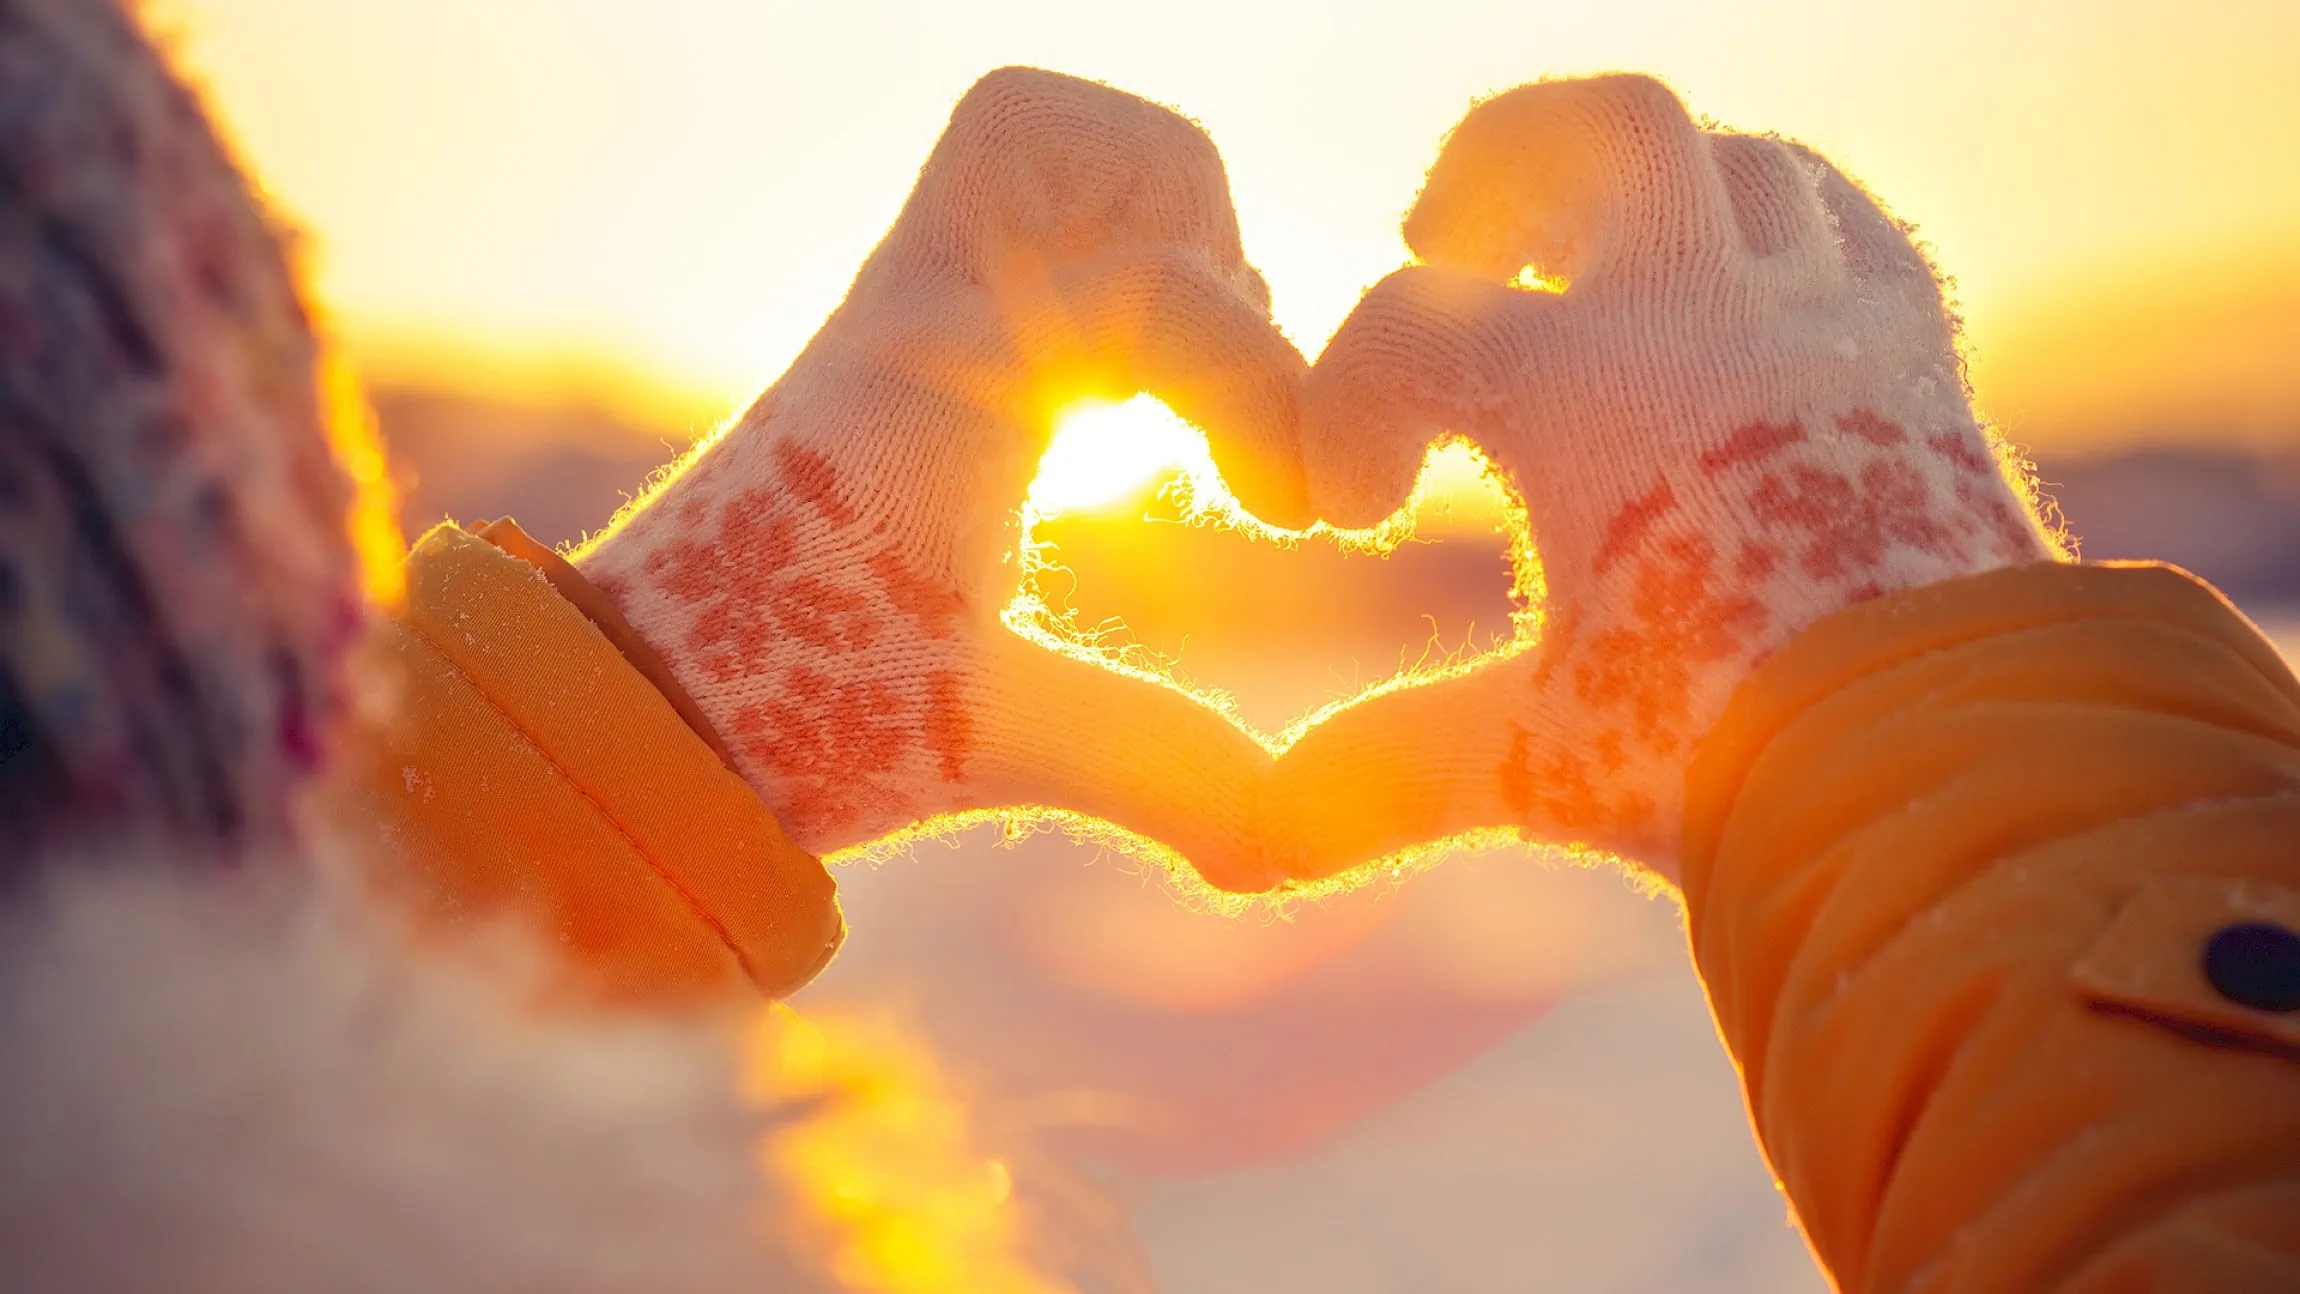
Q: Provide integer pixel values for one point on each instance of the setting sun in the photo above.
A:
(1104, 452)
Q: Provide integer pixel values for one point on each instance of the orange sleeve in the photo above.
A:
(517, 765)
(1962, 868)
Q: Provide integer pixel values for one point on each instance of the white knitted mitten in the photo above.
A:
(1744, 411)
(826, 579)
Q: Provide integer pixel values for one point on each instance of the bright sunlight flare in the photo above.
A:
(1105, 452)
(895, 1196)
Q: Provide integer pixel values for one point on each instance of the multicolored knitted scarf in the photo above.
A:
(175, 583)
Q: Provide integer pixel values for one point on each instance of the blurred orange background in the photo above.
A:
(562, 237)
(654, 203)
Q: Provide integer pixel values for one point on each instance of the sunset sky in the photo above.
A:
(654, 201)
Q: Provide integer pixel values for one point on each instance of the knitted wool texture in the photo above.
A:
(826, 577)
(1744, 411)
(175, 581)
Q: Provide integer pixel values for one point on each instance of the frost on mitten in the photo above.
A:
(1745, 410)
(826, 578)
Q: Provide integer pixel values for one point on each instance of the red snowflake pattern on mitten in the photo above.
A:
(1846, 513)
(1744, 412)
(790, 646)
(826, 578)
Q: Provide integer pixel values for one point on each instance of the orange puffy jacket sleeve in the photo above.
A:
(1995, 887)
(522, 766)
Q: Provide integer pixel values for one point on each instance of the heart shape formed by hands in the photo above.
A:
(1722, 383)
(1136, 553)
(1718, 376)
(1140, 448)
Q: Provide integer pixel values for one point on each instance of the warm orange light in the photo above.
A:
(373, 518)
(1108, 452)
(1105, 452)
(1533, 278)
(893, 1195)
(1457, 485)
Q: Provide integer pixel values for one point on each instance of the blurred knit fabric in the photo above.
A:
(175, 581)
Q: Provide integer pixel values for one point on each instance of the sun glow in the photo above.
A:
(373, 518)
(1104, 453)
(894, 1194)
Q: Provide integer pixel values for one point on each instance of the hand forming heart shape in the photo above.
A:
(1744, 412)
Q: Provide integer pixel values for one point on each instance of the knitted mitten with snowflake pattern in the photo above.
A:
(827, 577)
(1743, 412)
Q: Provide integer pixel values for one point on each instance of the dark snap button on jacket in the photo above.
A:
(2256, 964)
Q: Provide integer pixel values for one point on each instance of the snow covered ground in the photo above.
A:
(1571, 1122)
